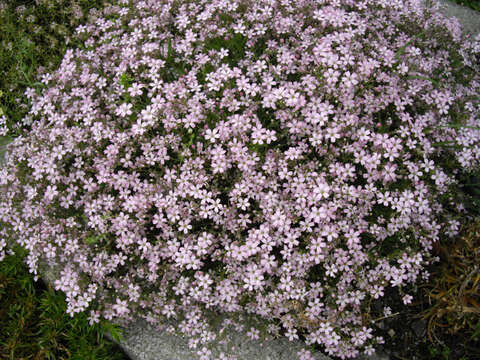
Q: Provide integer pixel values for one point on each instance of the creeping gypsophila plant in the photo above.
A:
(290, 160)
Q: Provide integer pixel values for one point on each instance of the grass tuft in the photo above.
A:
(34, 323)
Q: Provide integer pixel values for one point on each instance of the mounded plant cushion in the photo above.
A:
(288, 159)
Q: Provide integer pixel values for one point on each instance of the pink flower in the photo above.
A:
(124, 110)
(204, 353)
(51, 192)
(407, 299)
(253, 334)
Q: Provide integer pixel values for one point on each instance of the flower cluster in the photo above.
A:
(275, 157)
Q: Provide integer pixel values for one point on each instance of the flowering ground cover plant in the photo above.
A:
(291, 160)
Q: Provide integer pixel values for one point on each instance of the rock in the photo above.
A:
(4, 141)
(470, 19)
(419, 327)
(143, 342)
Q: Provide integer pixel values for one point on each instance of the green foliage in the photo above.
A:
(95, 239)
(443, 352)
(126, 80)
(34, 323)
(472, 4)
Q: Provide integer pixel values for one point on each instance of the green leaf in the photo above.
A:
(95, 239)
(459, 126)
(114, 330)
(476, 333)
(32, 84)
(419, 77)
(125, 80)
(190, 140)
(401, 51)
(447, 144)
(170, 50)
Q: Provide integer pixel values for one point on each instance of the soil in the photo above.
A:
(406, 335)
